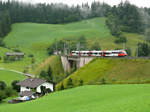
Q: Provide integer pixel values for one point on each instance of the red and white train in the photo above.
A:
(106, 53)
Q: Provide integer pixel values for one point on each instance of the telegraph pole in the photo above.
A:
(137, 50)
(64, 49)
(78, 49)
(124, 46)
(56, 49)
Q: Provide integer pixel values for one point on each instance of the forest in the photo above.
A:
(124, 17)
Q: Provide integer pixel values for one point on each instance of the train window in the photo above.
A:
(95, 53)
(107, 53)
(100, 53)
(115, 52)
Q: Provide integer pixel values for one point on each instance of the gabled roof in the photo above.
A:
(26, 93)
(31, 82)
(14, 54)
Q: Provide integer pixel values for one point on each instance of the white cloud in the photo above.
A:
(140, 3)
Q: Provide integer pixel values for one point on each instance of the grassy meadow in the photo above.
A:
(8, 76)
(33, 38)
(106, 98)
(113, 71)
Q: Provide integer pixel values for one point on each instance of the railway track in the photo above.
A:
(127, 57)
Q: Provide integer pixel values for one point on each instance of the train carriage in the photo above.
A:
(106, 53)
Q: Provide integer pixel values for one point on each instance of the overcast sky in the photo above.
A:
(140, 3)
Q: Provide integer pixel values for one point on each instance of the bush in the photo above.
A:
(62, 86)
(143, 49)
(48, 90)
(2, 85)
(80, 82)
(16, 50)
(2, 95)
(30, 55)
(10, 92)
(128, 50)
(96, 46)
(15, 86)
(43, 90)
(121, 39)
(47, 75)
(103, 81)
(69, 83)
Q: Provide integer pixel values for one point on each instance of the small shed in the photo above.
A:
(15, 55)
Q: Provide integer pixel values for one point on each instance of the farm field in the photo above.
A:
(94, 98)
(113, 71)
(8, 76)
(33, 38)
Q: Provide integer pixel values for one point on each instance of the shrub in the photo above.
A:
(32, 60)
(43, 90)
(48, 90)
(2, 85)
(31, 55)
(2, 95)
(10, 92)
(80, 82)
(121, 39)
(128, 50)
(47, 75)
(103, 81)
(15, 86)
(69, 83)
(62, 86)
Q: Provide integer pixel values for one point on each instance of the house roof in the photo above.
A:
(31, 82)
(26, 93)
(14, 54)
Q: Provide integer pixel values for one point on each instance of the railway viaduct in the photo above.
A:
(69, 62)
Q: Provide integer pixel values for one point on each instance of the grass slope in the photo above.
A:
(113, 71)
(107, 98)
(55, 63)
(33, 38)
(9, 76)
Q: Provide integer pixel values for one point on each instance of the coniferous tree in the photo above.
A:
(143, 49)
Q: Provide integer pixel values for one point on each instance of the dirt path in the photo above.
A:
(29, 75)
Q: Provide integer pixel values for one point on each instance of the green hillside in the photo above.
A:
(107, 98)
(55, 63)
(8, 76)
(113, 71)
(33, 38)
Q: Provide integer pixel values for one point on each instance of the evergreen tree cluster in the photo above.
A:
(52, 13)
(5, 25)
(143, 49)
(127, 18)
(5, 91)
(47, 75)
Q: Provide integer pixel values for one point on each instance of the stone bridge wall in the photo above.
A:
(80, 62)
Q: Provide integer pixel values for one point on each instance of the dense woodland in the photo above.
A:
(124, 17)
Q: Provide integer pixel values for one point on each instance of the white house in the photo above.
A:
(29, 87)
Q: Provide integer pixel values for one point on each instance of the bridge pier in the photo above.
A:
(78, 62)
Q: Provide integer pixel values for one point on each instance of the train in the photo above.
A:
(105, 53)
